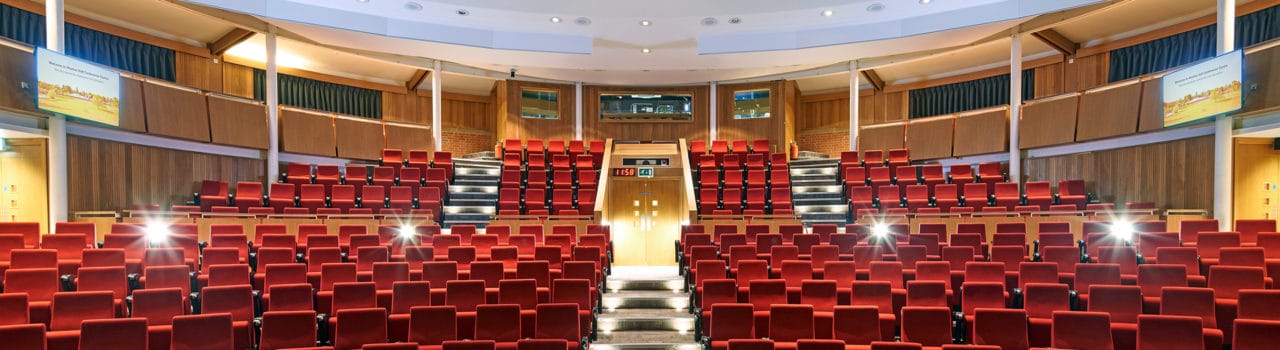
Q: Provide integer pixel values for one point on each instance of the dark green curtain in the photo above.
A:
(1179, 49)
(91, 45)
(320, 95)
(967, 95)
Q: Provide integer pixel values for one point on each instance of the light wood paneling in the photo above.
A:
(237, 80)
(307, 132)
(790, 110)
(176, 111)
(931, 138)
(110, 175)
(1262, 69)
(981, 131)
(594, 128)
(1176, 174)
(1109, 111)
(1050, 121)
(1150, 109)
(18, 67)
(830, 110)
(238, 122)
(407, 136)
(545, 129)
(1257, 166)
(896, 107)
(1086, 72)
(25, 176)
(470, 111)
(198, 72)
(358, 138)
(772, 128)
(404, 108)
(133, 106)
(882, 136)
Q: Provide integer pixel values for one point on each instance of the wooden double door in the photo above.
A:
(645, 214)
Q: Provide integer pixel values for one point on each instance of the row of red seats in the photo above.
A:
(566, 179)
(757, 178)
(313, 197)
(415, 159)
(876, 158)
(733, 201)
(753, 161)
(535, 201)
(535, 155)
(699, 147)
(945, 197)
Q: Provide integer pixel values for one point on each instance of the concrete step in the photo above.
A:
(808, 209)
(838, 222)
(474, 175)
(646, 340)
(826, 170)
(824, 216)
(818, 195)
(814, 162)
(477, 224)
(656, 300)
(477, 163)
(806, 183)
(828, 178)
(493, 189)
(817, 202)
(475, 205)
(609, 323)
(472, 195)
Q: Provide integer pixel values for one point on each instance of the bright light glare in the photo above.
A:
(256, 50)
(880, 230)
(157, 231)
(1122, 229)
(406, 231)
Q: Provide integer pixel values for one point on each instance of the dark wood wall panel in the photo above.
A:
(110, 175)
(545, 129)
(469, 112)
(981, 132)
(307, 132)
(18, 67)
(1050, 121)
(198, 72)
(1262, 68)
(772, 128)
(358, 138)
(407, 136)
(1109, 111)
(882, 136)
(931, 138)
(176, 111)
(133, 106)
(594, 128)
(237, 80)
(1176, 174)
(238, 122)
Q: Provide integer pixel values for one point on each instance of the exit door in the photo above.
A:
(645, 219)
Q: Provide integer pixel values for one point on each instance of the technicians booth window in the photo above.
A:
(646, 107)
(539, 104)
(751, 104)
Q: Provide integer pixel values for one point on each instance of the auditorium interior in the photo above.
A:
(628, 175)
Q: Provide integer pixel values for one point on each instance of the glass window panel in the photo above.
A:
(539, 104)
(642, 106)
(751, 104)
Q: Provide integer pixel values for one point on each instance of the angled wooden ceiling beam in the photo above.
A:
(1057, 41)
(874, 79)
(418, 77)
(227, 41)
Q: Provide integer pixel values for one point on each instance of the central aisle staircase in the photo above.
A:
(473, 194)
(645, 308)
(817, 192)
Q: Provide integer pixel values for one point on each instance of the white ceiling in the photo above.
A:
(773, 37)
(618, 37)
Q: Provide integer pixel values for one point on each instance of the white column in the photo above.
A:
(436, 93)
(1222, 144)
(577, 111)
(711, 132)
(1015, 106)
(273, 109)
(854, 83)
(54, 29)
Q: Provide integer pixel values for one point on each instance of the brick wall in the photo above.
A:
(828, 141)
(466, 141)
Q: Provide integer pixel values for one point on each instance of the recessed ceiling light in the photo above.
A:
(413, 6)
(827, 13)
(876, 7)
(735, 20)
(709, 21)
(555, 19)
(926, 2)
(645, 50)
(362, 1)
(645, 22)
(463, 12)
(582, 21)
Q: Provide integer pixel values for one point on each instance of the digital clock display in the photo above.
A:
(627, 172)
